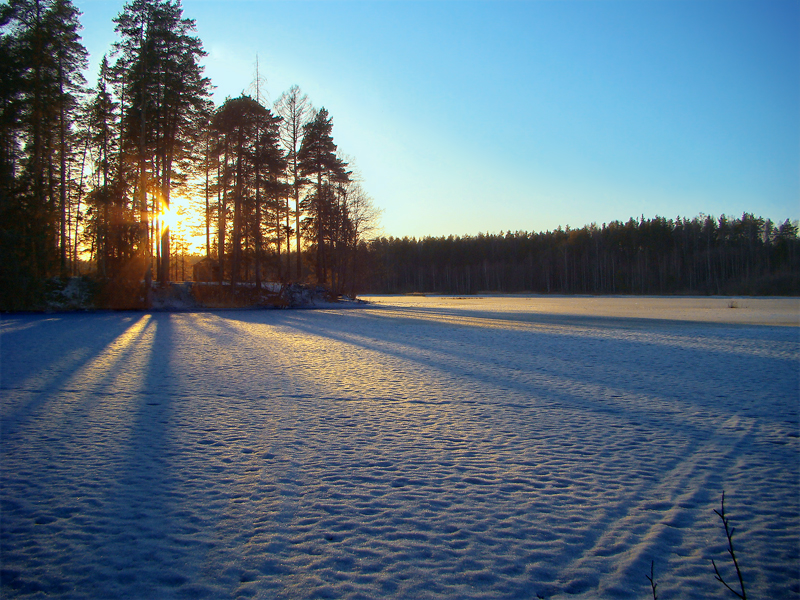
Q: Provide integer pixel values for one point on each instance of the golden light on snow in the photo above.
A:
(544, 440)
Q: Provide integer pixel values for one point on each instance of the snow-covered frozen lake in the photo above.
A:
(519, 447)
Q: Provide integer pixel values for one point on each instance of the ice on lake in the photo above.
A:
(496, 447)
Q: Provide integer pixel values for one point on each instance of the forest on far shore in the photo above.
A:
(748, 255)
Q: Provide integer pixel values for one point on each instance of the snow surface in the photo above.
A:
(501, 447)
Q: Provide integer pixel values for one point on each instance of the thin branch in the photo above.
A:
(729, 534)
(719, 578)
(653, 584)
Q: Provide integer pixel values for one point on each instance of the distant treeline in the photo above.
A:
(746, 255)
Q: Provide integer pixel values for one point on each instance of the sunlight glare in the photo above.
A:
(184, 221)
(169, 217)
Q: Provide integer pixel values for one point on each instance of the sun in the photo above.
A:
(169, 217)
(183, 220)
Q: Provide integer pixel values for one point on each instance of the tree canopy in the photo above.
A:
(88, 175)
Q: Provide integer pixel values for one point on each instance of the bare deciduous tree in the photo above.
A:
(296, 111)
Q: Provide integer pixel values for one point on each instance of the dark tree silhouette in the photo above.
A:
(167, 96)
(41, 75)
(317, 158)
(250, 162)
(92, 172)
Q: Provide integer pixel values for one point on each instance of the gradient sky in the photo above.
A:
(468, 117)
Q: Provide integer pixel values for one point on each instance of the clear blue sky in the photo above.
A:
(467, 117)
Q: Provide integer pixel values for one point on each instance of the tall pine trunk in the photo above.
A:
(63, 157)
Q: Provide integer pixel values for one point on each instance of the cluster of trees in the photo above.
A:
(91, 173)
(747, 255)
(87, 178)
(41, 58)
(278, 194)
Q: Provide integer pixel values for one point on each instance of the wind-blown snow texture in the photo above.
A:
(418, 448)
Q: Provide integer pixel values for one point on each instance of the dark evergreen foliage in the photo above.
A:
(747, 255)
(317, 159)
(250, 164)
(160, 74)
(41, 78)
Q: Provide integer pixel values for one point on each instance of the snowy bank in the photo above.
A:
(87, 294)
(449, 449)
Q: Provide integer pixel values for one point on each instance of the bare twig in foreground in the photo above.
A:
(653, 584)
(729, 534)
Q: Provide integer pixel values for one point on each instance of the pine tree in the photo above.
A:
(70, 59)
(43, 73)
(14, 268)
(251, 162)
(317, 158)
(11, 102)
(167, 96)
(269, 165)
(107, 203)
